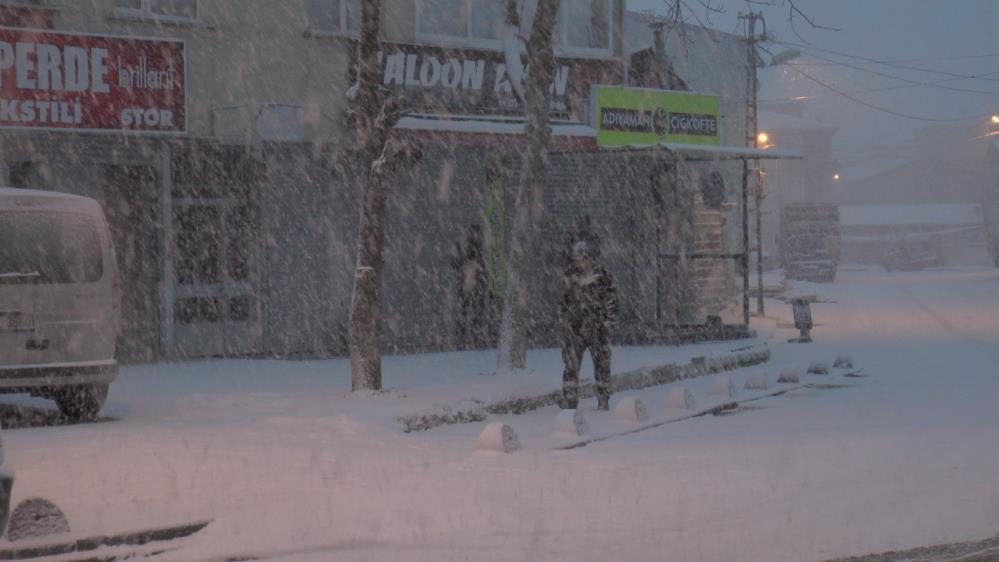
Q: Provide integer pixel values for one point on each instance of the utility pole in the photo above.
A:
(750, 20)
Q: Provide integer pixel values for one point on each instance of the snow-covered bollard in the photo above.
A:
(630, 409)
(789, 375)
(679, 398)
(843, 361)
(722, 386)
(498, 437)
(570, 423)
(35, 518)
(756, 381)
(818, 368)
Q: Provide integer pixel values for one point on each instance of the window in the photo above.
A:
(336, 16)
(199, 245)
(583, 26)
(48, 247)
(159, 9)
(475, 21)
(21, 173)
(26, 13)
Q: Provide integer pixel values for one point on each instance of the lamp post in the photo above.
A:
(752, 61)
(759, 139)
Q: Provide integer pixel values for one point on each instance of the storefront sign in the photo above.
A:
(639, 116)
(471, 81)
(53, 80)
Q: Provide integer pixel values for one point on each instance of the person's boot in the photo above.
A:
(603, 403)
(569, 400)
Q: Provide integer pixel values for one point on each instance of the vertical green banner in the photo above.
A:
(641, 116)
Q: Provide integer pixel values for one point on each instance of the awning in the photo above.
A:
(709, 153)
(515, 126)
(455, 124)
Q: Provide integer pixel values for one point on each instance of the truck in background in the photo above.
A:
(990, 215)
(809, 241)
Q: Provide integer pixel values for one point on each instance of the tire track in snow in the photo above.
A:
(947, 324)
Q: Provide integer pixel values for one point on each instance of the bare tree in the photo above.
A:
(534, 89)
(377, 112)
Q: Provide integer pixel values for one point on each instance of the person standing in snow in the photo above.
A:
(587, 313)
(472, 291)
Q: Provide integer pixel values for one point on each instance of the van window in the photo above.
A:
(49, 247)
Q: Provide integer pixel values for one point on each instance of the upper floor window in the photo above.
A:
(26, 13)
(181, 10)
(335, 16)
(582, 26)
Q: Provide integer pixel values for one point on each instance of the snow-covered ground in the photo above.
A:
(291, 466)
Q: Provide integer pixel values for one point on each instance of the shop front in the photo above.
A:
(92, 114)
(702, 239)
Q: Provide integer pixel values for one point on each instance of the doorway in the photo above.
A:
(216, 305)
(131, 203)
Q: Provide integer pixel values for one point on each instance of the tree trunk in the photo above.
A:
(523, 249)
(363, 335)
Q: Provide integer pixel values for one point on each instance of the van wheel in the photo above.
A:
(81, 403)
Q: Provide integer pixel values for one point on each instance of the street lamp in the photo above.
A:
(995, 119)
(836, 177)
(763, 140)
(784, 56)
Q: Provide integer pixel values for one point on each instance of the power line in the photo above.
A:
(936, 59)
(877, 107)
(933, 83)
(906, 80)
(881, 89)
(887, 152)
(885, 63)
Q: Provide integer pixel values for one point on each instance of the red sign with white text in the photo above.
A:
(52, 80)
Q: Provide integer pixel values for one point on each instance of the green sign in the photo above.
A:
(640, 116)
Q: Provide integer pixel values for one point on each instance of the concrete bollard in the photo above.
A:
(756, 381)
(680, 399)
(818, 368)
(498, 437)
(570, 423)
(630, 409)
(843, 361)
(722, 386)
(789, 375)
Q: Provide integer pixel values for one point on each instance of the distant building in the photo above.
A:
(913, 236)
(939, 198)
(808, 180)
(944, 164)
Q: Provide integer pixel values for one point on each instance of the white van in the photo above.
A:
(60, 313)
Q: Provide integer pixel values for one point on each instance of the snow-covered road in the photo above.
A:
(292, 468)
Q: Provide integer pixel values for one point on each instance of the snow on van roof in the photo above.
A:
(17, 191)
(52, 200)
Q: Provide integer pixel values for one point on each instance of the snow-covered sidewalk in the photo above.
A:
(289, 465)
(416, 387)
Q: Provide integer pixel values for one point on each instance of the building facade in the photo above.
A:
(235, 210)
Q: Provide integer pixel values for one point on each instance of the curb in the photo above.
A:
(35, 549)
(714, 410)
(629, 380)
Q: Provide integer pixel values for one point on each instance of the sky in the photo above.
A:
(940, 41)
